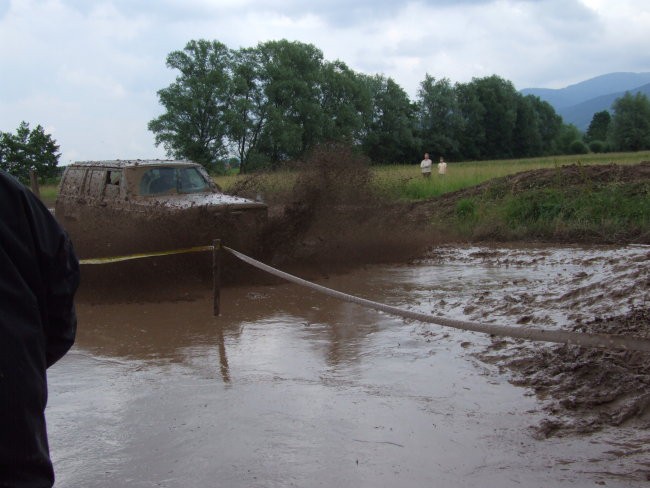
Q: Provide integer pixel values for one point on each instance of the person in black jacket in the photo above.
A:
(39, 275)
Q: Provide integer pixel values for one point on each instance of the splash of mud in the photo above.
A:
(334, 219)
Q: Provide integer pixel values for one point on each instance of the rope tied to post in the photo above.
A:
(600, 341)
(583, 339)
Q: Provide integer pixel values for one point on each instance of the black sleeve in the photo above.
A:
(62, 280)
(60, 274)
(43, 254)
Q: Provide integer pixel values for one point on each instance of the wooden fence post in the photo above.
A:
(216, 276)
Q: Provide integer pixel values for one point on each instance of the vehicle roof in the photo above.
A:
(124, 163)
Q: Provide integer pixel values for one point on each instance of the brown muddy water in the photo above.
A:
(291, 388)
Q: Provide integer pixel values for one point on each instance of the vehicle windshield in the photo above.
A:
(161, 180)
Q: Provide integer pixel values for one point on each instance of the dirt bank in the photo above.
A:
(600, 204)
(563, 176)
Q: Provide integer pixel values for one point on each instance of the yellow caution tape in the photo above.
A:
(116, 259)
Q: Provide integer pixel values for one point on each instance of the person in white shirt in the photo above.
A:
(425, 166)
(442, 167)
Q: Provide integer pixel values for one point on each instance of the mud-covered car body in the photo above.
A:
(116, 207)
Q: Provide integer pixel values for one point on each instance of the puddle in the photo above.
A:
(289, 387)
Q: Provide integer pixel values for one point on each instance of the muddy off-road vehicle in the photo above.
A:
(117, 207)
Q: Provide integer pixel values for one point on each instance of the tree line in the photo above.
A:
(627, 130)
(276, 101)
(261, 106)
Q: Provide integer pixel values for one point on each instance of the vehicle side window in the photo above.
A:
(156, 181)
(191, 181)
(95, 183)
(112, 184)
(74, 178)
(113, 177)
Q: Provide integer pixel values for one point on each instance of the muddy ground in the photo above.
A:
(327, 229)
(585, 390)
(596, 290)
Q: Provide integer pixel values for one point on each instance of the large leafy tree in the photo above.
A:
(499, 100)
(598, 127)
(197, 103)
(630, 127)
(280, 99)
(486, 118)
(527, 138)
(439, 119)
(345, 102)
(248, 114)
(549, 125)
(29, 149)
(389, 130)
(291, 76)
(471, 134)
(537, 128)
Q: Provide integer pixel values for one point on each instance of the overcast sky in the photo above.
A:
(88, 71)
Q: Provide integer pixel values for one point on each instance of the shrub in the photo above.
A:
(578, 147)
(598, 147)
(536, 206)
(466, 209)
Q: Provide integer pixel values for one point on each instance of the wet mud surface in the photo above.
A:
(290, 388)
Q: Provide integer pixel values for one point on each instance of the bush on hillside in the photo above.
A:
(578, 147)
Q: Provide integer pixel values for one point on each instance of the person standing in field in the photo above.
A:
(425, 166)
(442, 167)
(38, 280)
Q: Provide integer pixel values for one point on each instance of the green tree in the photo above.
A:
(527, 137)
(388, 135)
(472, 134)
(196, 104)
(438, 116)
(499, 100)
(29, 149)
(549, 124)
(598, 127)
(630, 126)
(248, 112)
(569, 134)
(291, 77)
(345, 101)
(537, 128)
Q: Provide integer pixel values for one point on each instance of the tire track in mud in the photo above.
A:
(607, 291)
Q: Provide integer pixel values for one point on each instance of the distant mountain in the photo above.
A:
(578, 103)
(581, 114)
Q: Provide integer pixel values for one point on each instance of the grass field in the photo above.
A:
(406, 182)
